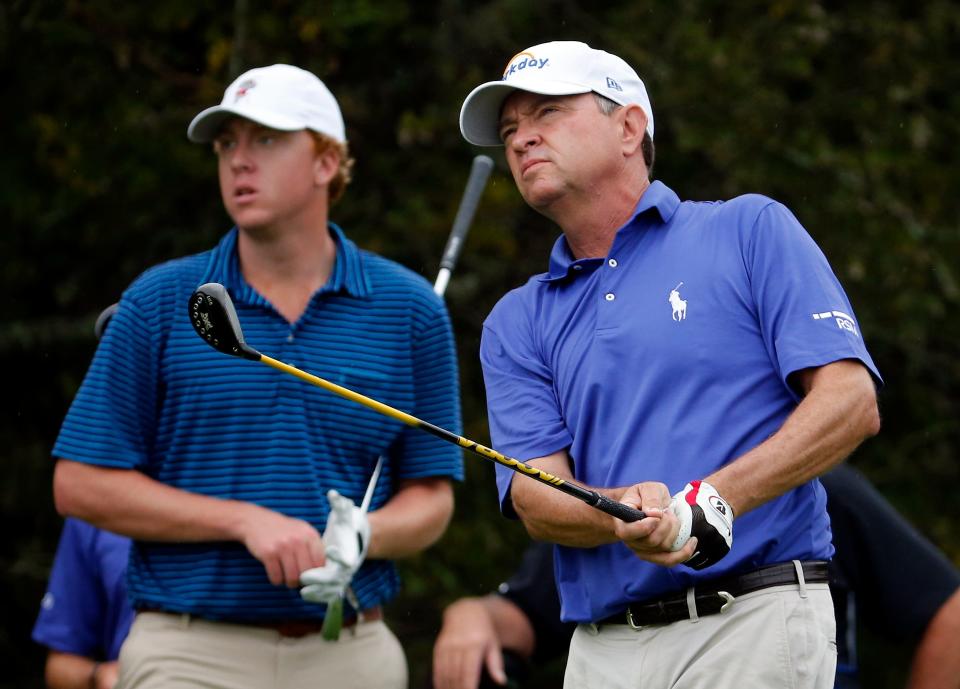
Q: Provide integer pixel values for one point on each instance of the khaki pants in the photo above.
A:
(168, 651)
(780, 637)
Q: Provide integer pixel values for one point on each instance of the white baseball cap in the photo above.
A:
(558, 68)
(280, 97)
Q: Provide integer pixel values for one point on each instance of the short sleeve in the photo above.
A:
(522, 406)
(112, 418)
(806, 318)
(437, 391)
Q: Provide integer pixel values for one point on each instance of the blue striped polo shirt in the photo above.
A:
(158, 399)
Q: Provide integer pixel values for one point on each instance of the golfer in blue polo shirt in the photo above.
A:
(699, 361)
(85, 614)
(233, 479)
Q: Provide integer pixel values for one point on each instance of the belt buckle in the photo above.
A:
(630, 621)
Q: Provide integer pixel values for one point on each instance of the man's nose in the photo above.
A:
(524, 136)
(240, 156)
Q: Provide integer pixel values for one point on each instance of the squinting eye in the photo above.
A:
(506, 134)
(266, 140)
(224, 145)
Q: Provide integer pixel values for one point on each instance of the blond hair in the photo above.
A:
(338, 185)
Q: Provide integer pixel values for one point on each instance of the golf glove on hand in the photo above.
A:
(345, 538)
(325, 584)
(708, 517)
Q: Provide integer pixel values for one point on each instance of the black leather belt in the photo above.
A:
(713, 595)
(288, 628)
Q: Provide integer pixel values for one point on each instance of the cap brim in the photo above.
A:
(480, 114)
(204, 127)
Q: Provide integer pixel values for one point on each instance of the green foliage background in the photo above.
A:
(848, 113)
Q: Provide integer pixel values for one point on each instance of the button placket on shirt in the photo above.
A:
(609, 287)
(611, 296)
(290, 346)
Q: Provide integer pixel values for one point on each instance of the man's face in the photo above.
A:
(558, 145)
(267, 177)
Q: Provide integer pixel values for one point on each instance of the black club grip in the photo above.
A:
(618, 509)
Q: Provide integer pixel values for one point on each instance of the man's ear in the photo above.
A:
(326, 165)
(632, 128)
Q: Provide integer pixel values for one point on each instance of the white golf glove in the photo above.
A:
(345, 538)
(704, 514)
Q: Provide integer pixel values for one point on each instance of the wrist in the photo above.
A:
(467, 604)
(241, 519)
(724, 489)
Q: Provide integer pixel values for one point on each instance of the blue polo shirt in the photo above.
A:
(85, 610)
(158, 399)
(664, 361)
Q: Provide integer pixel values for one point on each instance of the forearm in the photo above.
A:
(838, 413)
(412, 520)
(936, 664)
(130, 503)
(550, 515)
(70, 671)
(466, 620)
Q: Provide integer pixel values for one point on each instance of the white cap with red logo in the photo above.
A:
(558, 68)
(280, 97)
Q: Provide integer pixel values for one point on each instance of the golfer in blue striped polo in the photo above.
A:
(224, 471)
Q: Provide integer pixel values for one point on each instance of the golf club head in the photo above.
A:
(215, 320)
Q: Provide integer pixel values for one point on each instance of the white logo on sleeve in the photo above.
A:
(679, 305)
(844, 322)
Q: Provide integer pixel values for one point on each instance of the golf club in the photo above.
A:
(215, 319)
(479, 173)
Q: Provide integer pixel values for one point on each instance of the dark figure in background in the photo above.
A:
(85, 614)
(885, 576)
(890, 579)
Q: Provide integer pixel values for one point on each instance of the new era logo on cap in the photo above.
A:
(558, 68)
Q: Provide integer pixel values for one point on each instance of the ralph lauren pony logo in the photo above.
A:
(679, 305)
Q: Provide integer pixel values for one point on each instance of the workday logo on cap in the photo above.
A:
(524, 60)
(558, 68)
